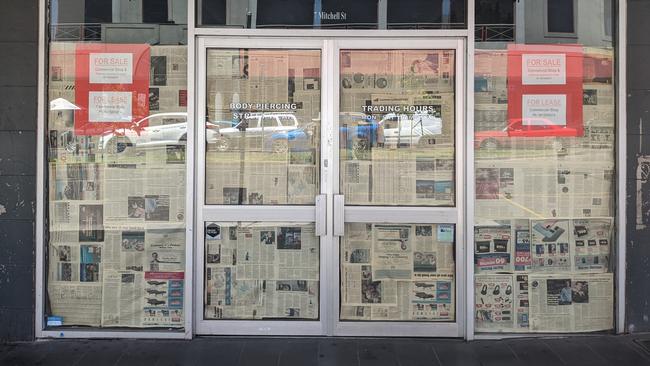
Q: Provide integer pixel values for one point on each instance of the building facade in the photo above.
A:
(414, 168)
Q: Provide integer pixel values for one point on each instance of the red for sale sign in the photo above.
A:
(545, 90)
(111, 87)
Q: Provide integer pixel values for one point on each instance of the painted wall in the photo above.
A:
(638, 167)
(18, 84)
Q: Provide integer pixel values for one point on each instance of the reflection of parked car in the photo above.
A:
(156, 130)
(298, 139)
(256, 129)
(408, 130)
(359, 132)
(535, 133)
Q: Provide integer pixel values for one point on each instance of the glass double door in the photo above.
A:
(329, 187)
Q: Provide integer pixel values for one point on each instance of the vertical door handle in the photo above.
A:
(339, 215)
(321, 215)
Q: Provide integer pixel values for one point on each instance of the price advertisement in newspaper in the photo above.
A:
(494, 299)
(591, 244)
(522, 257)
(492, 248)
(550, 245)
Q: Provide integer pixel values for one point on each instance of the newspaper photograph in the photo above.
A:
(571, 303)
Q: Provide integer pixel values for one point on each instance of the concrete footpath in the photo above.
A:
(239, 351)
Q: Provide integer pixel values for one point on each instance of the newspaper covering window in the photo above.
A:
(116, 168)
(544, 144)
(400, 272)
(261, 271)
(396, 127)
(263, 126)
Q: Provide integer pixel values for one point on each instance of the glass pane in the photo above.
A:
(398, 272)
(116, 127)
(261, 270)
(263, 126)
(545, 172)
(396, 127)
(559, 16)
(333, 14)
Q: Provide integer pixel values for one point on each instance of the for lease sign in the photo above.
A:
(544, 109)
(545, 90)
(111, 87)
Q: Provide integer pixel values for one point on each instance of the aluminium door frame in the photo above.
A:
(298, 214)
(394, 215)
(329, 306)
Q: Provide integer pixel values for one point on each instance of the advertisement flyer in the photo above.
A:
(545, 90)
(111, 87)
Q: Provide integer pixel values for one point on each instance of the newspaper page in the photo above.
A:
(522, 303)
(492, 248)
(495, 303)
(521, 235)
(591, 244)
(550, 245)
(502, 303)
(571, 303)
(415, 275)
(392, 255)
(515, 188)
(122, 298)
(257, 271)
(75, 261)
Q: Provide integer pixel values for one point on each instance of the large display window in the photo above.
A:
(545, 169)
(116, 167)
(246, 169)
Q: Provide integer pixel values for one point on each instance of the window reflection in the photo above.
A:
(544, 144)
(263, 126)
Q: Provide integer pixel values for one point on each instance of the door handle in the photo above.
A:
(321, 215)
(339, 215)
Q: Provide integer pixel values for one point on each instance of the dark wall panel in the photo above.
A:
(18, 106)
(638, 168)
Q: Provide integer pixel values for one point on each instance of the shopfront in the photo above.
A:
(382, 168)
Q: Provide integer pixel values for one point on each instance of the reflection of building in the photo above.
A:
(562, 26)
(520, 21)
(121, 21)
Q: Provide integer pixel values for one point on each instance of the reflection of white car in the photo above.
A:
(257, 131)
(161, 129)
(408, 130)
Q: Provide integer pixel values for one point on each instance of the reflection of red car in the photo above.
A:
(535, 133)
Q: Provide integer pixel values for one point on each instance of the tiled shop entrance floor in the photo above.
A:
(222, 351)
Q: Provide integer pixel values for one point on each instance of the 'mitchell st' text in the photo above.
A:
(330, 15)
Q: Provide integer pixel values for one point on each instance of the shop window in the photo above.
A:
(213, 12)
(154, 11)
(545, 189)
(116, 126)
(560, 16)
(98, 11)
